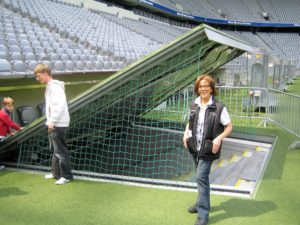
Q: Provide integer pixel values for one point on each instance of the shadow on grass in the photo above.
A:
(240, 208)
(11, 191)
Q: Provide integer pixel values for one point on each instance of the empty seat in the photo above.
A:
(78, 51)
(3, 55)
(121, 65)
(5, 67)
(42, 56)
(14, 48)
(3, 48)
(107, 65)
(49, 50)
(27, 114)
(13, 42)
(64, 57)
(39, 50)
(54, 57)
(69, 51)
(70, 66)
(31, 65)
(58, 66)
(27, 49)
(92, 57)
(19, 68)
(115, 65)
(99, 65)
(60, 51)
(74, 57)
(83, 57)
(16, 56)
(24, 43)
(89, 66)
(42, 109)
(29, 56)
(79, 66)
(46, 44)
(35, 44)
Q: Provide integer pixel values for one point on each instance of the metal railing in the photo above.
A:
(249, 107)
(286, 112)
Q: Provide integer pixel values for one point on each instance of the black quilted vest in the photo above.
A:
(212, 129)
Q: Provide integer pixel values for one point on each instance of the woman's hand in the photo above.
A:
(184, 139)
(216, 145)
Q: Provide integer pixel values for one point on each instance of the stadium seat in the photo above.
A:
(99, 65)
(13, 42)
(70, 66)
(64, 57)
(5, 67)
(107, 65)
(74, 57)
(29, 56)
(79, 66)
(41, 109)
(58, 67)
(14, 48)
(90, 66)
(54, 57)
(16, 56)
(27, 114)
(19, 68)
(3, 55)
(31, 65)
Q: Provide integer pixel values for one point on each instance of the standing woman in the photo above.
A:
(209, 123)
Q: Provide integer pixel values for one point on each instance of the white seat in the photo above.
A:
(79, 66)
(19, 68)
(29, 56)
(99, 65)
(31, 65)
(70, 66)
(58, 66)
(5, 67)
(89, 66)
(16, 56)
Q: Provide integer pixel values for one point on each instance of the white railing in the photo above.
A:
(244, 104)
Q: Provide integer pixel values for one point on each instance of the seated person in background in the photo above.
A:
(5, 121)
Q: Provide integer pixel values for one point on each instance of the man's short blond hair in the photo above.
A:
(7, 101)
(42, 68)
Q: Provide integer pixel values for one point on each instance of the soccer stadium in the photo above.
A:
(129, 69)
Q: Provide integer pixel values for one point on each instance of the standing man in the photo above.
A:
(5, 121)
(209, 124)
(58, 120)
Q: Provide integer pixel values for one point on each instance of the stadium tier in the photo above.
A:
(73, 39)
(250, 10)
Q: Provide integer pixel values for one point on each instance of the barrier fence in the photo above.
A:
(249, 107)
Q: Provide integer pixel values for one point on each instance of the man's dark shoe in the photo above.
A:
(200, 221)
(192, 209)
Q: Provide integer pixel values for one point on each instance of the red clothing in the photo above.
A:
(6, 123)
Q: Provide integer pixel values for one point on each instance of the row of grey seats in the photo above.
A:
(19, 67)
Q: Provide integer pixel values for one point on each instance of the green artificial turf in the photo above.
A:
(295, 87)
(29, 199)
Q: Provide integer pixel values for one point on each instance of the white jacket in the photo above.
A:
(57, 112)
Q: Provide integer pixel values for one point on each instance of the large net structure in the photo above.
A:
(129, 127)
